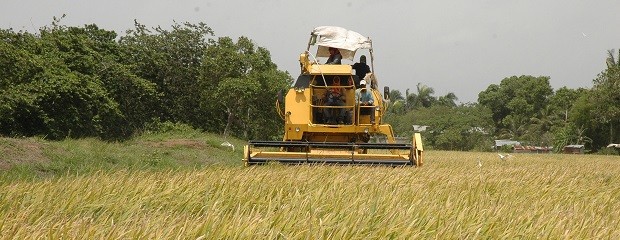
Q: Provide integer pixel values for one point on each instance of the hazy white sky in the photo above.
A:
(452, 46)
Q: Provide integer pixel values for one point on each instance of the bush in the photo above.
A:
(156, 126)
(609, 151)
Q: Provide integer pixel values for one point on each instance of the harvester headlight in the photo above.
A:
(365, 130)
(297, 129)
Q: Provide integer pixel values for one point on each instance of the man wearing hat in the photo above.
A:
(365, 101)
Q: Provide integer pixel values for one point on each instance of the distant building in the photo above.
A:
(503, 142)
(573, 149)
(532, 149)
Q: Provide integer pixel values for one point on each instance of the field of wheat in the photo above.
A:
(455, 195)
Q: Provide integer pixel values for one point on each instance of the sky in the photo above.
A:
(451, 46)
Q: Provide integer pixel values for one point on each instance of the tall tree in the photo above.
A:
(170, 59)
(464, 127)
(246, 73)
(411, 100)
(397, 102)
(563, 101)
(448, 100)
(607, 98)
(515, 101)
(611, 59)
(425, 95)
(58, 91)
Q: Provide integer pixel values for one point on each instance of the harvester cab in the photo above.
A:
(333, 116)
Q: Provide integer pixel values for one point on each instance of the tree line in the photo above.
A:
(66, 81)
(523, 108)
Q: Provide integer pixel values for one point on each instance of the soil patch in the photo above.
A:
(18, 151)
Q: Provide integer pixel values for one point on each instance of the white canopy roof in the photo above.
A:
(347, 41)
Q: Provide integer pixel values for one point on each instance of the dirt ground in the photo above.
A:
(13, 151)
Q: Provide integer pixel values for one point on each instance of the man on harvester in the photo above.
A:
(365, 101)
(317, 110)
(334, 98)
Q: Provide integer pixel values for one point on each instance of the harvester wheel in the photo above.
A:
(417, 149)
(418, 158)
(415, 155)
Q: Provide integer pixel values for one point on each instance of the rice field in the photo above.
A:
(456, 195)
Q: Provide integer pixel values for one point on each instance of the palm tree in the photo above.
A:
(396, 102)
(425, 97)
(448, 100)
(611, 61)
(395, 95)
(613, 66)
(544, 119)
(410, 100)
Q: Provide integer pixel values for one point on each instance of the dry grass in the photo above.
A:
(14, 151)
(528, 196)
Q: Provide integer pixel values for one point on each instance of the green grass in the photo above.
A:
(37, 158)
(456, 195)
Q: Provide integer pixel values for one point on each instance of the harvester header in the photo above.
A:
(333, 114)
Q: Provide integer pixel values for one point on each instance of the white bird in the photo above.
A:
(227, 144)
(584, 35)
(504, 157)
(479, 163)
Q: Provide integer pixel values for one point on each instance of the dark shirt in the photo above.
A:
(334, 59)
(361, 69)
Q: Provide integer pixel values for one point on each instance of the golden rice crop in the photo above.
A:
(455, 195)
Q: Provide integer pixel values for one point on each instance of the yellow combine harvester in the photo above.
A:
(323, 123)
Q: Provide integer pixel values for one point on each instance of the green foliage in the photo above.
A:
(609, 151)
(83, 82)
(562, 102)
(137, 98)
(570, 134)
(170, 146)
(242, 85)
(86, 82)
(423, 98)
(210, 84)
(506, 148)
(598, 109)
(167, 127)
(51, 94)
(606, 98)
(464, 127)
(514, 103)
(448, 100)
(170, 60)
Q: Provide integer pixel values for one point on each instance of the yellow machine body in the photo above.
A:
(309, 138)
